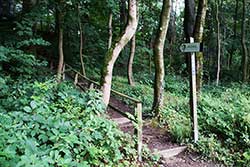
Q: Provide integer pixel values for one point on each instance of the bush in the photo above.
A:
(45, 124)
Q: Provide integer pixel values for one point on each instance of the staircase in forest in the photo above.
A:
(128, 115)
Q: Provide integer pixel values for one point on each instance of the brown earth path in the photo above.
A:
(156, 139)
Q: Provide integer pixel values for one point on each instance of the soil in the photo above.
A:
(156, 139)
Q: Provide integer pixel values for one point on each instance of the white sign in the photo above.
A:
(191, 47)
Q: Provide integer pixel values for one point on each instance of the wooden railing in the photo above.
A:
(85, 83)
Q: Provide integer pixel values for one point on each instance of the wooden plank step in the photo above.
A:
(168, 153)
(121, 120)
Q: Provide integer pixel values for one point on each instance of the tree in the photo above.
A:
(110, 30)
(198, 37)
(130, 61)
(81, 40)
(114, 51)
(60, 17)
(189, 23)
(218, 43)
(244, 60)
(159, 57)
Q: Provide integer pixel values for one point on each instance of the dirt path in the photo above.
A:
(156, 139)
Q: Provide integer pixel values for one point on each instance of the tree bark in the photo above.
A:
(81, 42)
(115, 50)
(171, 34)
(244, 60)
(189, 23)
(230, 59)
(130, 61)
(60, 47)
(198, 37)
(159, 58)
(218, 44)
(110, 30)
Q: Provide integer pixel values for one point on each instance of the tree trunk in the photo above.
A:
(115, 50)
(218, 44)
(110, 30)
(171, 34)
(198, 37)
(81, 42)
(159, 58)
(60, 47)
(230, 59)
(130, 62)
(244, 60)
(189, 22)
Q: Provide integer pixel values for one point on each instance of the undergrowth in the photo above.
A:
(43, 123)
(223, 116)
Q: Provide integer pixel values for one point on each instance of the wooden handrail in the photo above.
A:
(138, 108)
(112, 90)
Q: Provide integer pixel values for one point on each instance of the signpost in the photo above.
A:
(192, 48)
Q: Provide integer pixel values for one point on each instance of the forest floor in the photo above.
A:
(156, 139)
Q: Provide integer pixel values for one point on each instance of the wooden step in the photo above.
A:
(121, 120)
(168, 153)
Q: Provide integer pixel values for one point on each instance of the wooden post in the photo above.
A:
(193, 96)
(91, 86)
(76, 79)
(63, 72)
(139, 130)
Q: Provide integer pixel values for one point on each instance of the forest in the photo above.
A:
(69, 68)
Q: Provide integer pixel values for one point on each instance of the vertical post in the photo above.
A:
(139, 130)
(76, 79)
(63, 72)
(193, 96)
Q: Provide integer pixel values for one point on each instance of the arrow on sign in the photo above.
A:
(191, 47)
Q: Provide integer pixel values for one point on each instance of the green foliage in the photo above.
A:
(223, 116)
(45, 124)
(140, 92)
(15, 62)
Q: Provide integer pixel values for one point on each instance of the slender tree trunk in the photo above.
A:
(60, 47)
(244, 60)
(198, 37)
(110, 30)
(159, 57)
(189, 23)
(218, 44)
(130, 61)
(115, 50)
(230, 59)
(171, 34)
(81, 42)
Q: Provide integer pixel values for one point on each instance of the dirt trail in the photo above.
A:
(155, 139)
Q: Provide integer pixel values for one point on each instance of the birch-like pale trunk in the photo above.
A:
(81, 42)
(198, 37)
(218, 44)
(110, 30)
(159, 57)
(130, 61)
(115, 50)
